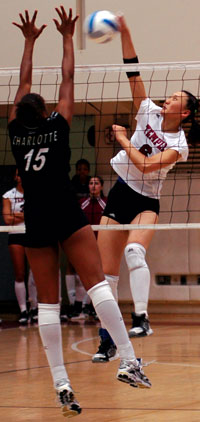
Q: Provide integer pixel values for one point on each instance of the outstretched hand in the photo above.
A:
(67, 24)
(28, 28)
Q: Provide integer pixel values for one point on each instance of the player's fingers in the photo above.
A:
(63, 12)
(34, 17)
(76, 18)
(56, 23)
(41, 29)
(59, 12)
(27, 16)
(22, 18)
(17, 24)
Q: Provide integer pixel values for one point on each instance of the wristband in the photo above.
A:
(133, 60)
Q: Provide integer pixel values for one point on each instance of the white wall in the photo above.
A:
(162, 31)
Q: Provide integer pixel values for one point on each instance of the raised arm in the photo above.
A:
(130, 56)
(145, 164)
(31, 33)
(66, 92)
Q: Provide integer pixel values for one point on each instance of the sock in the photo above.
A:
(32, 292)
(113, 282)
(51, 336)
(20, 291)
(139, 285)
(108, 312)
(70, 285)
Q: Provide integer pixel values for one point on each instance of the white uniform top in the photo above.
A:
(17, 205)
(149, 139)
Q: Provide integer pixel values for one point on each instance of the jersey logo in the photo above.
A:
(153, 137)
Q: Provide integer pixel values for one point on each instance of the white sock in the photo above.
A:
(70, 286)
(139, 276)
(139, 285)
(32, 292)
(51, 336)
(20, 291)
(108, 312)
(113, 283)
(80, 290)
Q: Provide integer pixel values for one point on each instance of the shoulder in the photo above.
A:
(56, 117)
(9, 194)
(148, 106)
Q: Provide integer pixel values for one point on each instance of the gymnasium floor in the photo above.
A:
(172, 354)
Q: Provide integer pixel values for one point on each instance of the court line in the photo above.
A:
(74, 347)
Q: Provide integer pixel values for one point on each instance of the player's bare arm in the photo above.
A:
(143, 163)
(30, 33)
(66, 93)
(129, 52)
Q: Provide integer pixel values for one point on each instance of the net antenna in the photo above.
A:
(80, 37)
(103, 92)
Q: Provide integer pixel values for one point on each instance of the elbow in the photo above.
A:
(144, 168)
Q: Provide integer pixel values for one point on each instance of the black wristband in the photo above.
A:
(132, 60)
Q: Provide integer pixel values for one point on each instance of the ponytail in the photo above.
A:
(192, 105)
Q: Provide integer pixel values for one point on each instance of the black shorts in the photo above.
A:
(124, 204)
(16, 239)
(48, 227)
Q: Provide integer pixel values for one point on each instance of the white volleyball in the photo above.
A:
(101, 26)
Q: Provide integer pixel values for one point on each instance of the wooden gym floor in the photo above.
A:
(172, 354)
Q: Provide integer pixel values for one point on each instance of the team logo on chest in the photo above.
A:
(153, 137)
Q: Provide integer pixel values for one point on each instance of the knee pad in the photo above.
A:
(100, 293)
(135, 256)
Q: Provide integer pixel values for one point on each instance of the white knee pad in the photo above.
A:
(135, 256)
(101, 292)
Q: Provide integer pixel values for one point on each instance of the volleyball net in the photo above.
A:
(103, 97)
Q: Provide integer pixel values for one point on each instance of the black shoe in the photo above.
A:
(90, 312)
(107, 351)
(23, 319)
(140, 326)
(34, 316)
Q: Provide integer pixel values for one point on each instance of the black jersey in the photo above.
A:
(42, 156)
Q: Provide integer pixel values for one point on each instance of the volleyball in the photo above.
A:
(101, 26)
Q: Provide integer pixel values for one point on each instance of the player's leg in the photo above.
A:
(135, 252)
(44, 263)
(83, 253)
(32, 297)
(17, 253)
(111, 245)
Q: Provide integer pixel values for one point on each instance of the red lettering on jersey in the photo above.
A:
(153, 137)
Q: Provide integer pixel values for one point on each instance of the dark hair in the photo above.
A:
(97, 177)
(30, 110)
(192, 105)
(102, 183)
(83, 161)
